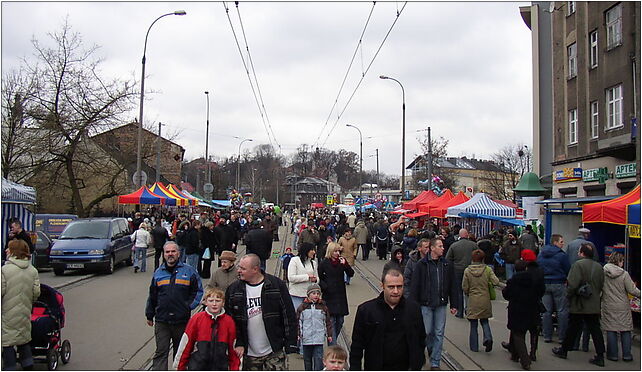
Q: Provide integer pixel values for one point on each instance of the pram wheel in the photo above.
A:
(52, 359)
(65, 353)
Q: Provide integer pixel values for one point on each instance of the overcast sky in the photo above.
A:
(466, 69)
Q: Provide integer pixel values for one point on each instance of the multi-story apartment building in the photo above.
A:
(586, 64)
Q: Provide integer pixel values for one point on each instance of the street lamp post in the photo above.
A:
(403, 135)
(158, 153)
(207, 135)
(139, 177)
(238, 166)
(360, 159)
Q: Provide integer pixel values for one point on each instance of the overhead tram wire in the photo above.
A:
(227, 12)
(345, 77)
(365, 73)
(256, 80)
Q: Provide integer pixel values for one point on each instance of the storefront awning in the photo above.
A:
(611, 211)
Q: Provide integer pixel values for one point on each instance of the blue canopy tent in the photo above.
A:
(15, 200)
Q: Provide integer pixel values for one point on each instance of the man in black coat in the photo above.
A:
(388, 331)
(160, 235)
(259, 241)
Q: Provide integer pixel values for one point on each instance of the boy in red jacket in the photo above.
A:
(208, 341)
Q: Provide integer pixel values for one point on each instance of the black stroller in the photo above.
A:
(47, 321)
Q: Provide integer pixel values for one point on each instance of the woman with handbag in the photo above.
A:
(478, 284)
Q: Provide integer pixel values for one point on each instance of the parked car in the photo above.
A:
(97, 244)
(43, 247)
(53, 224)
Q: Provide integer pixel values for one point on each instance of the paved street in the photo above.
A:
(107, 330)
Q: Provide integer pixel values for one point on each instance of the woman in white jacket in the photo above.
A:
(142, 239)
(302, 271)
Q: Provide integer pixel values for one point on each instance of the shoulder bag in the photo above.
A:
(491, 287)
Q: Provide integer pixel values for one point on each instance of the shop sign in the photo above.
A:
(595, 174)
(330, 200)
(625, 170)
(568, 175)
(634, 231)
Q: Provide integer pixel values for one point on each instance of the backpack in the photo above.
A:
(382, 232)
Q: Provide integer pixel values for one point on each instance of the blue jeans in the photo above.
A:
(346, 278)
(611, 345)
(555, 294)
(297, 301)
(313, 357)
(337, 324)
(192, 260)
(140, 258)
(510, 270)
(435, 324)
(9, 357)
(474, 338)
(182, 256)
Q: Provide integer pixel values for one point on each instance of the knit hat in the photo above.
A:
(228, 255)
(313, 287)
(528, 255)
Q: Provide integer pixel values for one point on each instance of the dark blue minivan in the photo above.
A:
(97, 244)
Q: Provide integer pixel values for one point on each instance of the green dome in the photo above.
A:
(529, 184)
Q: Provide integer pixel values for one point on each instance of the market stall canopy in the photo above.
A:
(178, 192)
(416, 214)
(195, 195)
(508, 221)
(222, 203)
(400, 211)
(422, 198)
(170, 199)
(447, 195)
(611, 211)
(633, 211)
(16, 193)
(141, 196)
(439, 211)
(480, 203)
(508, 203)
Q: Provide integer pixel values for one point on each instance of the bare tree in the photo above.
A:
(439, 151)
(511, 167)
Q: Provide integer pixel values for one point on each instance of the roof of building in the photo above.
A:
(135, 124)
(462, 163)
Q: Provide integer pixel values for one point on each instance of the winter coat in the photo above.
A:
(585, 270)
(223, 278)
(298, 275)
(141, 238)
(409, 244)
(20, 289)
(523, 301)
(368, 343)
(529, 241)
(308, 235)
(333, 285)
(313, 323)
(489, 250)
(173, 294)
(351, 220)
(433, 283)
(159, 236)
(555, 264)
(511, 252)
(475, 286)
(349, 248)
(279, 317)
(196, 350)
(408, 271)
(259, 242)
(461, 253)
(616, 310)
(574, 246)
(361, 233)
(393, 263)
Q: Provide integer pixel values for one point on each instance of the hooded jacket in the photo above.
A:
(393, 263)
(349, 248)
(222, 278)
(522, 295)
(554, 262)
(409, 269)
(585, 270)
(475, 286)
(616, 310)
(259, 242)
(313, 322)
(20, 289)
(361, 233)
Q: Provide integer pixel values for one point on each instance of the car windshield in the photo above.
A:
(86, 230)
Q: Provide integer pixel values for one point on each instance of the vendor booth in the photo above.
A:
(439, 211)
(141, 196)
(481, 214)
(16, 199)
(422, 198)
(171, 198)
(443, 198)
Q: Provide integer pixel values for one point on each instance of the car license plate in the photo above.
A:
(75, 266)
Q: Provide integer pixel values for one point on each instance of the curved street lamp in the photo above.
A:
(139, 146)
(238, 166)
(207, 136)
(360, 159)
(403, 135)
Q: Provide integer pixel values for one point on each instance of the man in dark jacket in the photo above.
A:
(432, 286)
(511, 251)
(160, 236)
(259, 241)
(17, 232)
(264, 315)
(423, 247)
(174, 291)
(554, 262)
(460, 254)
(388, 332)
(585, 304)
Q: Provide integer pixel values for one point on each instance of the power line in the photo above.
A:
(345, 77)
(365, 73)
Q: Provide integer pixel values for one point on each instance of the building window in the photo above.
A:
(614, 107)
(595, 126)
(614, 26)
(571, 7)
(572, 127)
(572, 60)
(593, 49)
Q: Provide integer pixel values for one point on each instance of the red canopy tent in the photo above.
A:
(610, 211)
(447, 195)
(422, 198)
(141, 196)
(439, 211)
(508, 203)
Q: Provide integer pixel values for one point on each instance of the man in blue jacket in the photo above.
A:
(175, 290)
(555, 264)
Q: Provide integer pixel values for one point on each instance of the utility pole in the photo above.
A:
(429, 167)
(158, 153)
(378, 180)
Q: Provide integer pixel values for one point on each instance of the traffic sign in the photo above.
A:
(208, 187)
(137, 181)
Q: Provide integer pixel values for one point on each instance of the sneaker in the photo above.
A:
(558, 352)
(627, 359)
(598, 361)
(612, 359)
(489, 345)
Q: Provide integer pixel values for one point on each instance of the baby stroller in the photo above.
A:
(47, 321)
